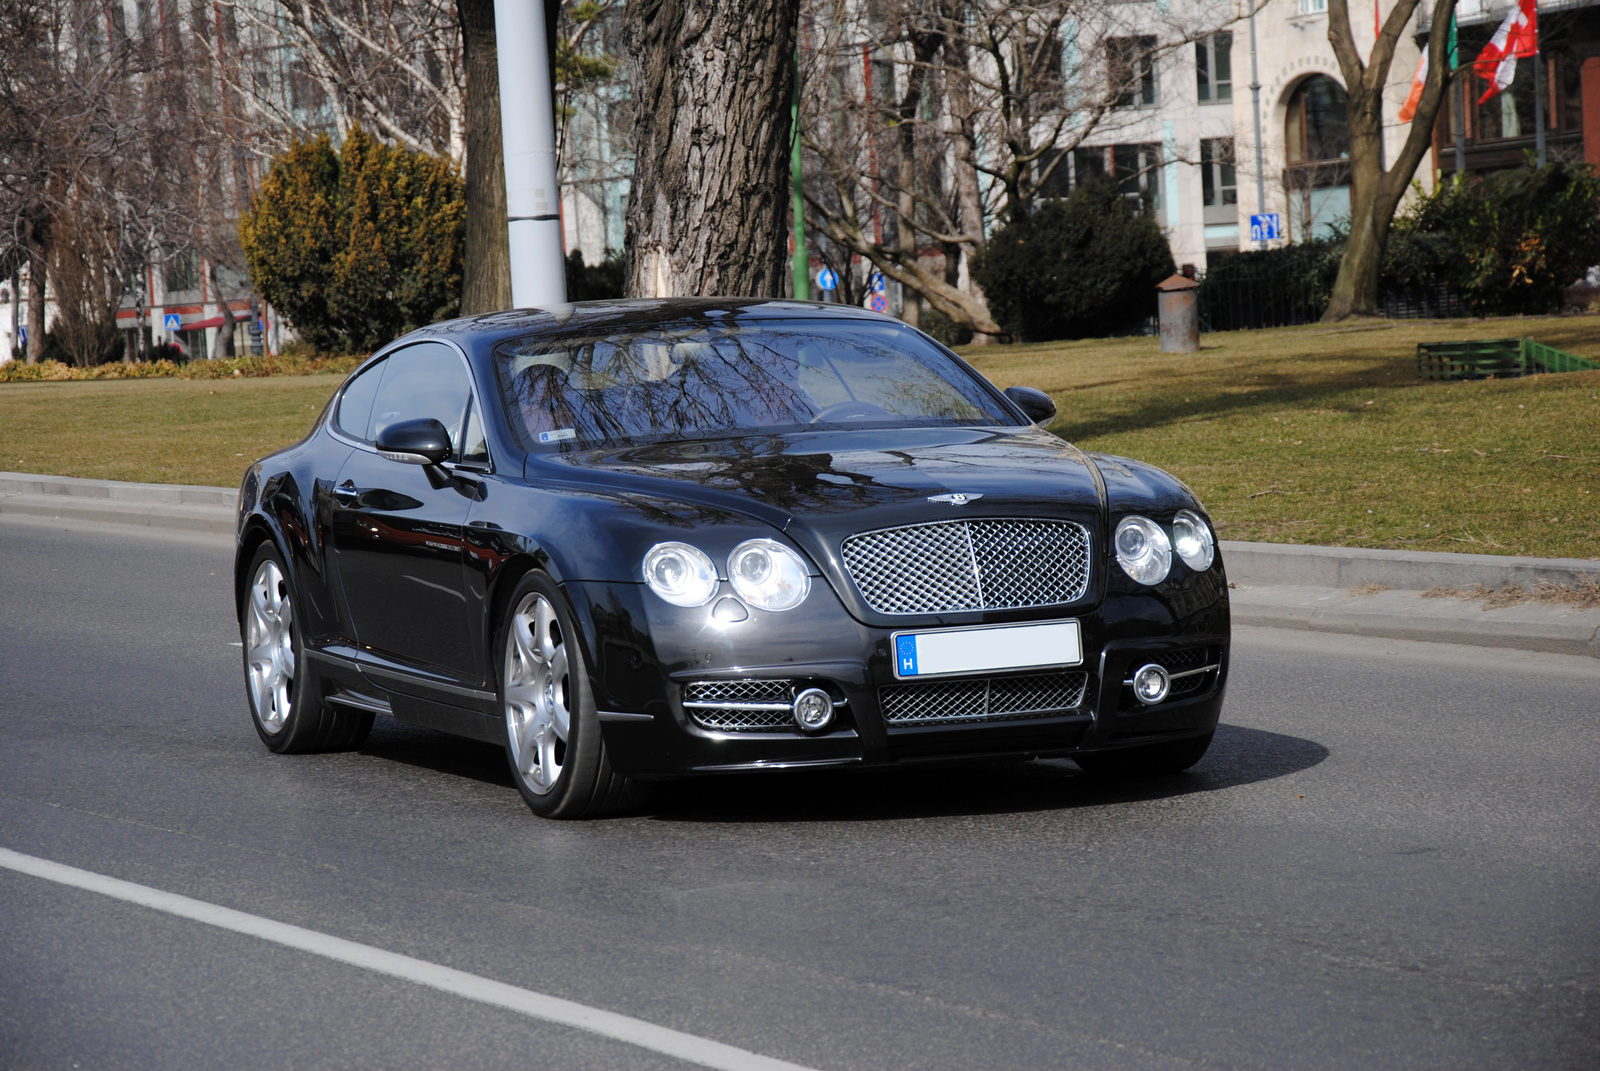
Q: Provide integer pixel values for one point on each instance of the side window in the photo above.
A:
(425, 380)
(355, 405)
(474, 449)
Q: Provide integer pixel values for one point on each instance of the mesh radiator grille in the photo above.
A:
(984, 564)
(983, 699)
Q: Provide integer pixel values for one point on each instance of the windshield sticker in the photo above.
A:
(559, 435)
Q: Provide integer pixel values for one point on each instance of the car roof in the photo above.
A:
(624, 313)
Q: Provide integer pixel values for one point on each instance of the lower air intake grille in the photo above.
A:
(992, 699)
(740, 706)
(1182, 661)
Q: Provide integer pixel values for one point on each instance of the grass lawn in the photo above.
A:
(1326, 435)
(155, 430)
(1295, 435)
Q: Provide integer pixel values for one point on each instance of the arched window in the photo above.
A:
(1316, 133)
(1317, 128)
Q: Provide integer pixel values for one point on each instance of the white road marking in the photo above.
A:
(687, 1047)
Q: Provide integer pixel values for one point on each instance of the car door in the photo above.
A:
(397, 527)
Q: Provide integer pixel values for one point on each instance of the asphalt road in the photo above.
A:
(1390, 858)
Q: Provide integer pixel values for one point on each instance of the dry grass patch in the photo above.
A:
(156, 430)
(1582, 595)
(1320, 435)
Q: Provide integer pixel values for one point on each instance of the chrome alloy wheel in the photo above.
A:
(537, 693)
(269, 644)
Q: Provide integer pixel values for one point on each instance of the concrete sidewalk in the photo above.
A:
(1274, 585)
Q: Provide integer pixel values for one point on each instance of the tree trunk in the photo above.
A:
(486, 270)
(1375, 193)
(711, 82)
(36, 298)
(223, 350)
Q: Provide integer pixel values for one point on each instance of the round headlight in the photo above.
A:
(768, 575)
(1143, 550)
(1191, 538)
(681, 574)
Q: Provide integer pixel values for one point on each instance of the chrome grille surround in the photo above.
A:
(740, 706)
(1003, 563)
(982, 699)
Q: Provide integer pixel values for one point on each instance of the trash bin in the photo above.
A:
(1179, 313)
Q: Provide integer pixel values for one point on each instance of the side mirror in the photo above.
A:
(1036, 403)
(415, 442)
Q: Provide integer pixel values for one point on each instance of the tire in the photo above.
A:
(554, 745)
(1174, 756)
(286, 703)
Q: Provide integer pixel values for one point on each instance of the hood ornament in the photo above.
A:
(955, 499)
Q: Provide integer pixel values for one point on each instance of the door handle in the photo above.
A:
(346, 493)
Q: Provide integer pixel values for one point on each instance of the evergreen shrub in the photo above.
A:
(607, 279)
(1079, 268)
(357, 245)
(1509, 242)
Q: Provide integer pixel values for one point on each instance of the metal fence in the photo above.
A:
(1267, 296)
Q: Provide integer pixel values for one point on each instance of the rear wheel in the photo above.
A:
(285, 703)
(1171, 757)
(553, 742)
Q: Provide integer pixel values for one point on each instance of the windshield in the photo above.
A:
(711, 380)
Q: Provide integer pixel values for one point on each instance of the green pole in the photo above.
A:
(802, 263)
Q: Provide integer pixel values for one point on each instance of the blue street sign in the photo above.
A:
(171, 322)
(827, 280)
(22, 334)
(877, 284)
(1265, 228)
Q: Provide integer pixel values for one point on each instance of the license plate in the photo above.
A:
(983, 649)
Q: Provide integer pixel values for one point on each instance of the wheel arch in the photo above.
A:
(256, 531)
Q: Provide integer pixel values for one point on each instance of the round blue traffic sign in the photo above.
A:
(827, 280)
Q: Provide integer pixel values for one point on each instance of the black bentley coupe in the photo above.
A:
(640, 540)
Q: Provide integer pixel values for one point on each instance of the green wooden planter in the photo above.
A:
(1500, 358)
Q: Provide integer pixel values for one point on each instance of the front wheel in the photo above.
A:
(553, 742)
(1174, 756)
(286, 704)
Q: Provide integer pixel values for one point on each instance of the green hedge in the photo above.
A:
(1079, 268)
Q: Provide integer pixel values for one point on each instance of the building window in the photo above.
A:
(1317, 147)
(1137, 172)
(1218, 177)
(182, 271)
(1130, 70)
(1313, 7)
(1213, 60)
(1136, 169)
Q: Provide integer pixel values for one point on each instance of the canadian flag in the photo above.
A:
(1518, 36)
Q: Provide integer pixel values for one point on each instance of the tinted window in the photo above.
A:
(425, 380)
(355, 404)
(707, 380)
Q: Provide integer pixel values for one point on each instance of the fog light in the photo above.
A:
(813, 709)
(1150, 684)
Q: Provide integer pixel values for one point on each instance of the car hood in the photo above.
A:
(819, 488)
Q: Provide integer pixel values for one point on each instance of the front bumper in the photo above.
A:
(645, 654)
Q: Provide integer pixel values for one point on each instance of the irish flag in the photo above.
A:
(1517, 36)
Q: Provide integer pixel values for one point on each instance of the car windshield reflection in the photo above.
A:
(696, 380)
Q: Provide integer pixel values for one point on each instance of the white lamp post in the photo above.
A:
(528, 135)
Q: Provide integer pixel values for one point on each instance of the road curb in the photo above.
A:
(173, 507)
(1275, 585)
(1287, 565)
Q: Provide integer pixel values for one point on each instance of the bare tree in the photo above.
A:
(929, 118)
(709, 205)
(1375, 192)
